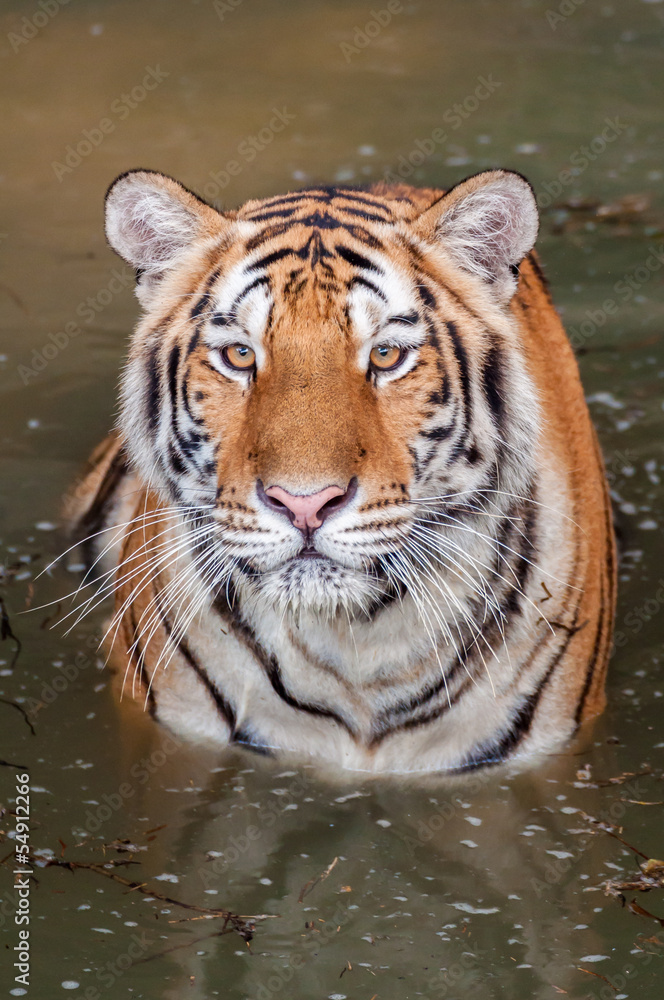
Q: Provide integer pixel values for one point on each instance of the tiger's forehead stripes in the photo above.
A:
(346, 284)
(458, 475)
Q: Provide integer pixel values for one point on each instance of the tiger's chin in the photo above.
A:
(315, 586)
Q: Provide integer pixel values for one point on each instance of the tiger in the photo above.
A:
(354, 509)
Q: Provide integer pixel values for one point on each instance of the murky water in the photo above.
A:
(486, 888)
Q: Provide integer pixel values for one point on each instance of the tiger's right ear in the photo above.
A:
(151, 220)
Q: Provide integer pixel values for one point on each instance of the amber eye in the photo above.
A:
(238, 356)
(384, 357)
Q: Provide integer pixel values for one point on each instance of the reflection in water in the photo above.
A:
(421, 911)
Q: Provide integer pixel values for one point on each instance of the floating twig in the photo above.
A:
(241, 924)
(312, 883)
(19, 708)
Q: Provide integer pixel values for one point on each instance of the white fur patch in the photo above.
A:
(491, 229)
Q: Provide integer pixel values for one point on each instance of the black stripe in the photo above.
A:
(522, 719)
(590, 671)
(269, 258)
(223, 705)
(283, 213)
(263, 280)
(249, 742)
(358, 280)
(173, 362)
(439, 433)
(493, 381)
(367, 216)
(204, 299)
(138, 655)
(528, 542)
(356, 259)
(464, 377)
(272, 671)
(426, 295)
(153, 390)
(95, 516)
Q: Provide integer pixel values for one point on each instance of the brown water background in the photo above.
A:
(486, 889)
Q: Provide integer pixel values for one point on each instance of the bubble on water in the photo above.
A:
(594, 958)
(383, 822)
(366, 150)
(45, 526)
(70, 984)
(528, 148)
(607, 399)
(18, 992)
(467, 908)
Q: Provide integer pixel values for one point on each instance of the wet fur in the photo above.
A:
(464, 613)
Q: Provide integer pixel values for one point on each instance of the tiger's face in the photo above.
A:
(315, 369)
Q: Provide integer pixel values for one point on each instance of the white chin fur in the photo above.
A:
(312, 586)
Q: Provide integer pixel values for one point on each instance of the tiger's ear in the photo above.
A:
(151, 220)
(486, 224)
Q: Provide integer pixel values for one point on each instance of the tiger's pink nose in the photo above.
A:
(307, 512)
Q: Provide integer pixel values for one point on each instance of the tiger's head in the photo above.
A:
(313, 370)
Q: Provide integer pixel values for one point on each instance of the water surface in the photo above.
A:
(483, 889)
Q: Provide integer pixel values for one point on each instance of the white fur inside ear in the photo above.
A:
(491, 229)
(148, 226)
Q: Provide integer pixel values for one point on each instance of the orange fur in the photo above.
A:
(312, 418)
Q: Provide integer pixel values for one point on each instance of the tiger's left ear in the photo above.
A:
(486, 225)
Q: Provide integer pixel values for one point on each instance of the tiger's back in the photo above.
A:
(449, 601)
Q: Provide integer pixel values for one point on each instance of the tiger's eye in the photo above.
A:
(384, 357)
(240, 357)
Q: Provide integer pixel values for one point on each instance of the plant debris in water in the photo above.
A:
(242, 924)
(649, 876)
